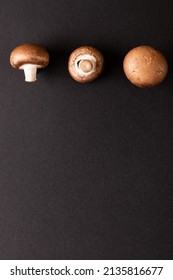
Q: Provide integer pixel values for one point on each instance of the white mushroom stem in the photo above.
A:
(30, 71)
(85, 64)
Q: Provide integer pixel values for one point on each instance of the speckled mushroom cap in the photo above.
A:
(29, 54)
(145, 66)
(77, 56)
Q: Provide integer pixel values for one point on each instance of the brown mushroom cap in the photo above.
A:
(145, 66)
(29, 54)
(84, 64)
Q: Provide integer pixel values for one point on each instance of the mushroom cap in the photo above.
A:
(85, 50)
(29, 54)
(145, 66)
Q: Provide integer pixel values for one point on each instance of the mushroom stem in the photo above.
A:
(85, 65)
(30, 71)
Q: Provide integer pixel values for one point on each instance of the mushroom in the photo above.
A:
(145, 66)
(85, 64)
(29, 57)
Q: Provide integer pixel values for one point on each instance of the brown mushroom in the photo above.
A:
(29, 57)
(145, 66)
(85, 64)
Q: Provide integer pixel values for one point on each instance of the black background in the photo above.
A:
(86, 170)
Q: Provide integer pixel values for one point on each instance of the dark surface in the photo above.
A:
(86, 170)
